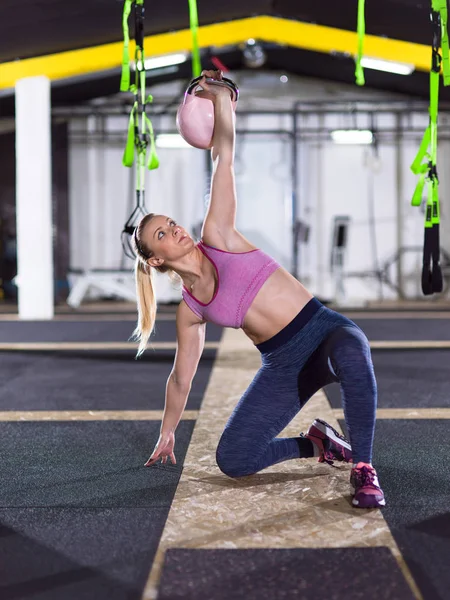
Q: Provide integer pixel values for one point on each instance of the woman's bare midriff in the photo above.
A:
(276, 304)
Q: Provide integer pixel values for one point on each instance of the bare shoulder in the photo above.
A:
(185, 317)
(230, 240)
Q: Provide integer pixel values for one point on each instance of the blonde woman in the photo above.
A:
(303, 344)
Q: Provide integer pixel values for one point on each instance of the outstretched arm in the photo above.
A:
(221, 212)
(224, 132)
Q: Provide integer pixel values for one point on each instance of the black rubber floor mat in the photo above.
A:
(93, 381)
(405, 329)
(87, 464)
(90, 331)
(407, 379)
(282, 574)
(73, 554)
(411, 458)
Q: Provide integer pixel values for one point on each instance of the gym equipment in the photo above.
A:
(140, 137)
(140, 129)
(195, 116)
(424, 163)
(431, 271)
(193, 20)
(338, 253)
(361, 30)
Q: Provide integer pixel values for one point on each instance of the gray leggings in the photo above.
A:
(308, 354)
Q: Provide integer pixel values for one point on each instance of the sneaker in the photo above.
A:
(331, 444)
(366, 487)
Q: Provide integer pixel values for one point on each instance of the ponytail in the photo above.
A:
(146, 304)
(146, 299)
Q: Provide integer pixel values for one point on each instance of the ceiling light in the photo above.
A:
(157, 62)
(387, 65)
(171, 140)
(254, 55)
(352, 136)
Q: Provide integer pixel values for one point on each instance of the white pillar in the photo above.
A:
(34, 199)
(94, 228)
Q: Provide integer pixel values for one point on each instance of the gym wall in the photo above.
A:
(333, 180)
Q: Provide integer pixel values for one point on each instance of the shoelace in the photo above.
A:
(333, 452)
(365, 477)
(329, 455)
(328, 458)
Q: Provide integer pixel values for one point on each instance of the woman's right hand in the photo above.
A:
(163, 449)
(211, 90)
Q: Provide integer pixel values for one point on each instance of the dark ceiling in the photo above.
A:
(38, 27)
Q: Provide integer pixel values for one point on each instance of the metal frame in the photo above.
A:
(402, 110)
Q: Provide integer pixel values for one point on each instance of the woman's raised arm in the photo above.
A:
(223, 202)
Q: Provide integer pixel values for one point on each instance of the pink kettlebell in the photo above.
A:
(195, 116)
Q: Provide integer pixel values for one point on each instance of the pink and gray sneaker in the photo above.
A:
(367, 491)
(331, 444)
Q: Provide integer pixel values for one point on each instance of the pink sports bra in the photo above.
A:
(240, 275)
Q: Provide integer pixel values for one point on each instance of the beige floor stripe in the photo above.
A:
(171, 316)
(51, 346)
(90, 415)
(93, 317)
(405, 413)
(296, 504)
(396, 315)
(404, 345)
(26, 346)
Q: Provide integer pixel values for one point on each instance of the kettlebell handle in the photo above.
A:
(224, 81)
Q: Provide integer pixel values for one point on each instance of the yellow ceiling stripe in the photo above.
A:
(319, 38)
(306, 36)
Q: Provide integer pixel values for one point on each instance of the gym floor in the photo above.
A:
(81, 518)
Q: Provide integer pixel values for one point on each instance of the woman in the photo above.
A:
(303, 344)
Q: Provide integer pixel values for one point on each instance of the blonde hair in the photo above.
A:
(146, 299)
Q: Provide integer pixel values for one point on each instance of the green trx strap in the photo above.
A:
(425, 162)
(139, 134)
(125, 80)
(140, 130)
(440, 6)
(193, 17)
(359, 71)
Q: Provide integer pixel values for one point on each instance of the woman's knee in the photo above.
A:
(232, 460)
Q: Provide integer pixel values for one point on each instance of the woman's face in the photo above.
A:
(164, 236)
